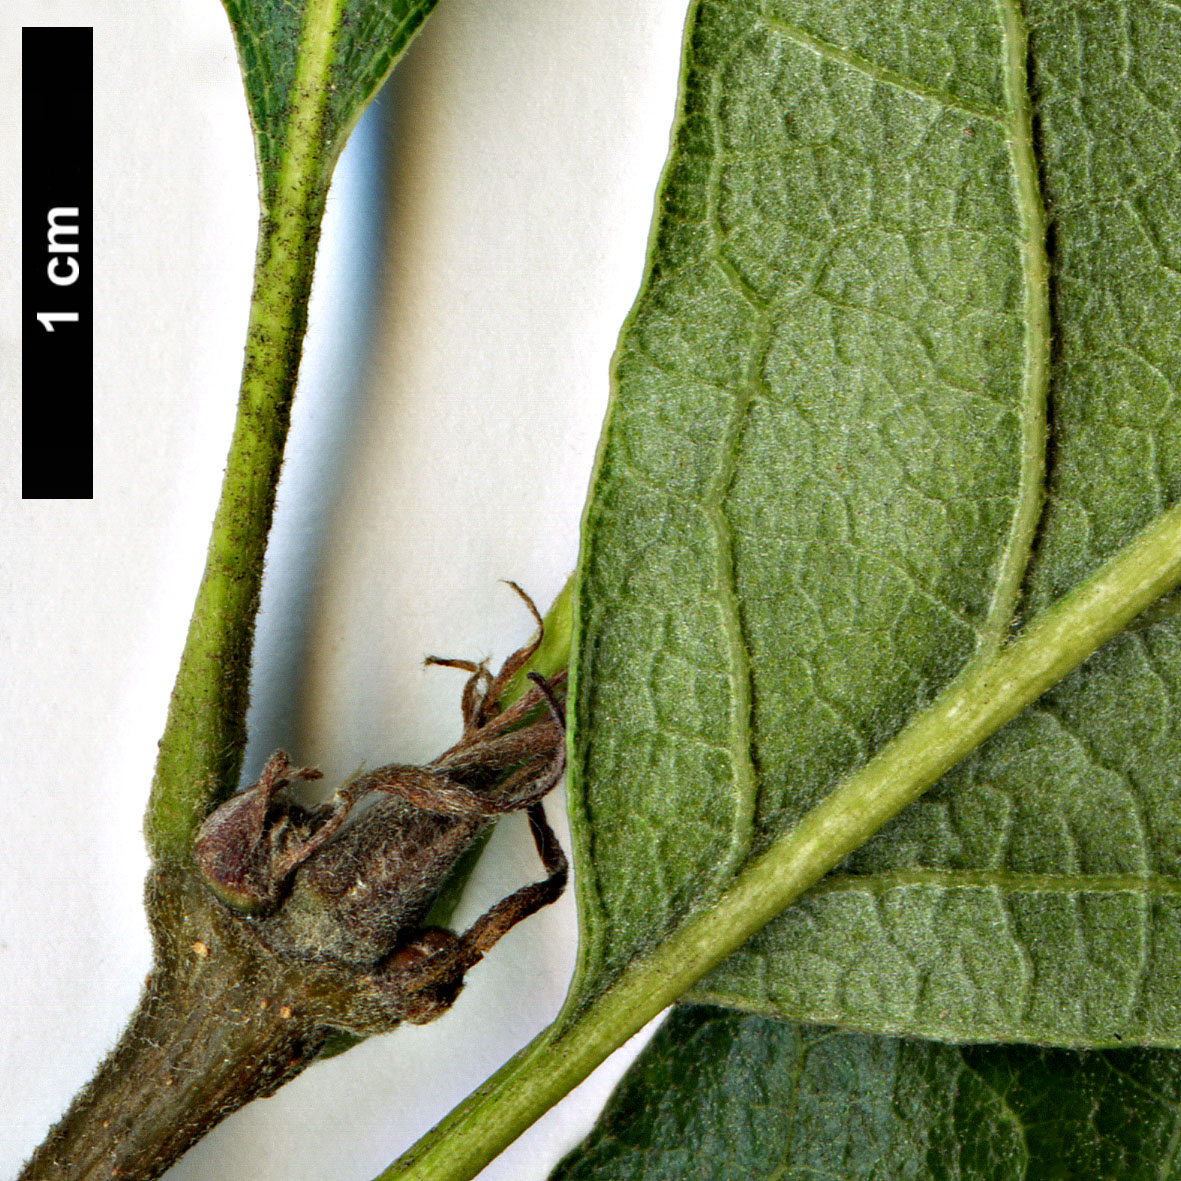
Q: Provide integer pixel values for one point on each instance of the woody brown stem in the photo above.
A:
(220, 1023)
(241, 998)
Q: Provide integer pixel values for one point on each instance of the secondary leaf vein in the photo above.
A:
(742, 763)
(886, 77)
(1007, 881)
(1035, 378)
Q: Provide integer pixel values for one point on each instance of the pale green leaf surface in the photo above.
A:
(719, 1095)
(369, 35)
(820, 496)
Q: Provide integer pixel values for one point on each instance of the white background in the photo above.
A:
(471, 289)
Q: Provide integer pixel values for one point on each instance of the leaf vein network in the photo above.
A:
(881, 74)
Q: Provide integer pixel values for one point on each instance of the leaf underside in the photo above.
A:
(853, 445)
(369, 37)
(721, 1095)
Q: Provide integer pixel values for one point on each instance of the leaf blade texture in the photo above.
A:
(368, 37)
(718, 1094)
(870, 415)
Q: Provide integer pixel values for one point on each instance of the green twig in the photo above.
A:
(201, 750)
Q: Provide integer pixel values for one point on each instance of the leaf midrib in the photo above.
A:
(307, 110)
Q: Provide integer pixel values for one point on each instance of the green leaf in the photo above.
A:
(342, 49)
(891, 452)
(820, 500)
(722, 1095)
(310, 69)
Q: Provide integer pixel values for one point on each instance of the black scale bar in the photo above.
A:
(57, 386)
